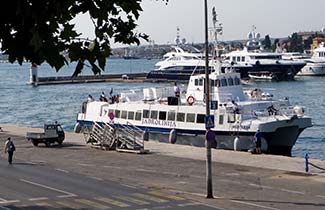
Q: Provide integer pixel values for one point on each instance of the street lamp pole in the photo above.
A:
(207, 105)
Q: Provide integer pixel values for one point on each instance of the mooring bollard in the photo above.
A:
(306, 160)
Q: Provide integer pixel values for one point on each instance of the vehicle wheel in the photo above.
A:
(35, 143)
(47, 143)
(60, 142)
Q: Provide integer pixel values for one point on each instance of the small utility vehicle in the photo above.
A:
(52, 133)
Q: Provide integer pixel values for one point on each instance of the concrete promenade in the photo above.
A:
(240, 180)
(293, 164)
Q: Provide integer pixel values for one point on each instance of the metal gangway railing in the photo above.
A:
(129, 137)
(103, 135)
(126, 138)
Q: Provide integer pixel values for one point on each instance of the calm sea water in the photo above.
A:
(22, 104)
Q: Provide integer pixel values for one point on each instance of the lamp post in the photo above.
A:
(207, 105)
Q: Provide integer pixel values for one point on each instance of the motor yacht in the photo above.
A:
(248, 62)
(315, 66)
(178, 65)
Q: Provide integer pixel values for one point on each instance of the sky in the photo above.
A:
(278, 18)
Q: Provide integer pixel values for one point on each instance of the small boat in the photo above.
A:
(262, 76)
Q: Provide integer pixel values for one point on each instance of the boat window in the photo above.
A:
(230, 81)
(138, 115)
(223, 82)
(153, 114)
(162, 115)
(117, 113)
(237, 81)
(124, 114)
(243, 58)
(200, 82)
(217, 83)
(130, 115)
(171, 115)
(233, 58)
(180, 117)
(200, 118)
(145, 113)
(238, 59)
(190, 117)
(231, 118)
(220, 119)
(268, 57)
(196, 82)
(212, 82)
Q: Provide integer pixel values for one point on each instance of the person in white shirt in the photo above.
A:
(90, 98)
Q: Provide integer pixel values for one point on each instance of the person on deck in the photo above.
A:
(177, 90)
(103, 97)
(90, 98)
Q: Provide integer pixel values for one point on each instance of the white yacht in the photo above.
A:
(316, 64)
(253, 61)
(248, 62)
(178, 65)
(182, 120)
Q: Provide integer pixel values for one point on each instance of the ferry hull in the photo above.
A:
(279, 142)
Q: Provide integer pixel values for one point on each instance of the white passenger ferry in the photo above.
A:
(183, 120)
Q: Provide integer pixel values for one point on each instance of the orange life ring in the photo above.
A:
(190, 100)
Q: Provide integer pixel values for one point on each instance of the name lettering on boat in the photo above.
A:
(170, 124)
(244, 127)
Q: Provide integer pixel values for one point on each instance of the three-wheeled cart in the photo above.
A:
(52, 133)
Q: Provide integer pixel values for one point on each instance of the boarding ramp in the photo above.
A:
(103, 136)
(122, 138)
(130, 139)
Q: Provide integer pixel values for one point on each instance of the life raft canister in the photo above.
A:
(190, 100)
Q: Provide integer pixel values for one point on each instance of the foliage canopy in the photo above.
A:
(41, 31)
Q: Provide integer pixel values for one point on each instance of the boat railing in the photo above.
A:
(130, 137)
(287, 112)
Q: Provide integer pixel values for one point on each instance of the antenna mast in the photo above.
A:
(216, 30)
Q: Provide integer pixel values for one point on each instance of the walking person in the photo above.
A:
(258, 141)
(10, 148)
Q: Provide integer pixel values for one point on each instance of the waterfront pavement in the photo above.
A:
(174, 173)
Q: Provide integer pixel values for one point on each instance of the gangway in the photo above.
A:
(103, 136)
(122, 138)
(130, 138)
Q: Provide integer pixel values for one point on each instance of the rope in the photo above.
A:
(316, 166)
